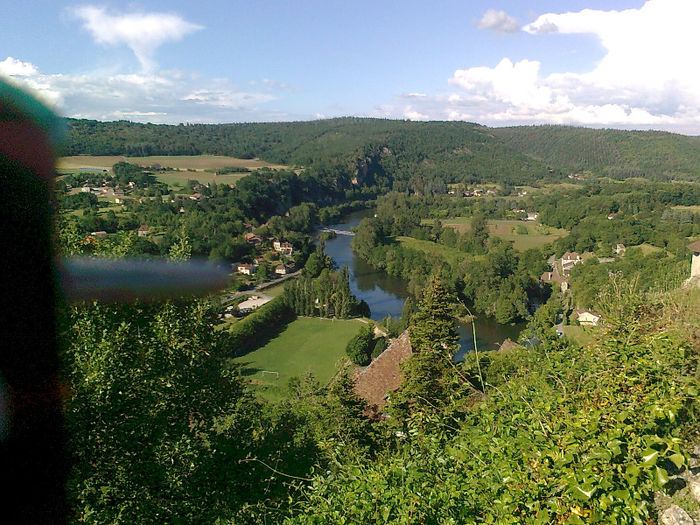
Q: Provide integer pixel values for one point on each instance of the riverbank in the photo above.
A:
(386, 294)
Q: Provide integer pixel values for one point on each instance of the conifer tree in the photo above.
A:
(429, 378)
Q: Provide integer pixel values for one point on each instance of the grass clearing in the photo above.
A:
(180, 178)
(190, 167)
(694, 208)
(523, 234)
(274, 291)
(304, 345)
(451, 255)
(183, 162)
(647, 248)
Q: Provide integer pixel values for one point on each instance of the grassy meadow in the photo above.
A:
(304, 345)
(189, 167)
(523, 234)
(452, 255)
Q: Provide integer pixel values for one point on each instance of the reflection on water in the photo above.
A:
(385, 294)
(489, 335)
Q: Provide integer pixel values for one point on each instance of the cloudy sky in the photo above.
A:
(615, 63)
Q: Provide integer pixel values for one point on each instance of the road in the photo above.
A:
(258, 289)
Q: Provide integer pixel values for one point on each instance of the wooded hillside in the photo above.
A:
(447, 152)
(616, 153)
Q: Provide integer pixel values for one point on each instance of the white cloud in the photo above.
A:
(162, 97)
(13, 67)
(143, 33)
(648, 78)
(498, 21)
(411, 114)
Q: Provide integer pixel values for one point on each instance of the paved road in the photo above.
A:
(258, 289)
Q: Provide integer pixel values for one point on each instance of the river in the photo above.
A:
(385, 294)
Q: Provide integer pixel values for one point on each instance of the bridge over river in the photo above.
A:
(338, 232)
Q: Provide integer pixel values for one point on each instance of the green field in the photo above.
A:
(304, 345)
(694, 208)
(452, 255)
(190, 167)
(537, 234)
(274, 291)
(646, 248)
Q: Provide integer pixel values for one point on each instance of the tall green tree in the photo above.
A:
(151, 414)
(430, 381)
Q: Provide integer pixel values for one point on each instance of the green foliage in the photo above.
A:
(430, 383)
(145, 395)
(616, 153)
(379, 346)
(423, 156)
(324, 296)
(359, 348)
(80, 200)
(563, 435)
(181, 250)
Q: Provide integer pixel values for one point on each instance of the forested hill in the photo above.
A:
(409, 151)
(616, 153)
(423, 152)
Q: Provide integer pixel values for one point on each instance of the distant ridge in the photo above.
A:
(445, 151)
(617, 153)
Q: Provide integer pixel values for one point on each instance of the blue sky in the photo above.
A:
(616, 63)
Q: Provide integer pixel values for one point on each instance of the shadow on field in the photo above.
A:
(245, 368)
(261, 339)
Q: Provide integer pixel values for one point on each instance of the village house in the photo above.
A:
(587, 318)
(555, 277)
(143, 230)
(246, 269)
(284, 269)
(694, 279)
(620, 249)
(100, 233)
(196, 196)
(568, 261)
(251, 238)
(283, 247)
(531, 216)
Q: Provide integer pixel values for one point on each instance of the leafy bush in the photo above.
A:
(379, 346)
(360, 346)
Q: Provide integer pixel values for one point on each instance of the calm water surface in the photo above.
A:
(385, 294)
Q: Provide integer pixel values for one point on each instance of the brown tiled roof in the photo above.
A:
(694, 246)
(383, 374)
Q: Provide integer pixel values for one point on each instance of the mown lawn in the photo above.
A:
(304, 345)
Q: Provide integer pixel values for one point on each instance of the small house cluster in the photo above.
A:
(280, 256)
(478, 192)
